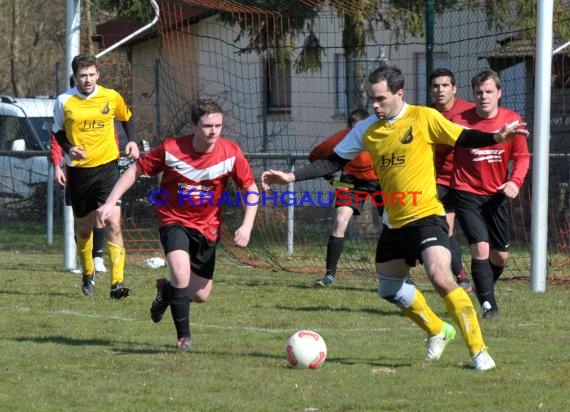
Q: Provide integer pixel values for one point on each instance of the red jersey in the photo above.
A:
(444, 153)
(361, 167)
(193, 183)
(482, 170)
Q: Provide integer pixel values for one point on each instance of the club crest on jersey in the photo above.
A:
(106, 109)
(407, 136)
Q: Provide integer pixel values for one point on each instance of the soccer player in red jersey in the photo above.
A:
(443, 91)
(195, 171)
(484, 182)
(357, 181)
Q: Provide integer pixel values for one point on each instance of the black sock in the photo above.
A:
(456, 262)
(98, 241)
(335, 246)
(180, 310)
(482, 275)
(497, 271)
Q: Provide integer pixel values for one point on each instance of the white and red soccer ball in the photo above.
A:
(306, 349)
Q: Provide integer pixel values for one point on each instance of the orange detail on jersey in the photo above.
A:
(361, 167)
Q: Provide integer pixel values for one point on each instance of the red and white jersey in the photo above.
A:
(444, 153)
(482, 170)
(193, 184)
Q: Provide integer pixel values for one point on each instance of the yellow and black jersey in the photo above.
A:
(88, 121)
(402, 149)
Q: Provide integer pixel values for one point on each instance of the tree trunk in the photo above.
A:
(15, 48)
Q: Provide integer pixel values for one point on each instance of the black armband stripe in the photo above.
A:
(475, 138)
(61, 138)
(321, 167)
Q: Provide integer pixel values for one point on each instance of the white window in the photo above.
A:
(278, 85)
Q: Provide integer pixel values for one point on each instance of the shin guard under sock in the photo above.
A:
(117, 261)
(335, 245)
(460, 307)
(98, 242)
(497, 271)
(85, 250)
(456, 262)
(482, 275)
(180, 310)
(422, 315)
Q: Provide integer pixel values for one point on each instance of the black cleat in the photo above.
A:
(161, 300)
(119, 291)
(488, 311)
(88, 285)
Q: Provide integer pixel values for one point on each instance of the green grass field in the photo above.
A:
(61, 351)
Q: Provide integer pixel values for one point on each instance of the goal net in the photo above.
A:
(287, 73)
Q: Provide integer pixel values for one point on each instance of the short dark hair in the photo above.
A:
(485, 75)
(441, 72)
(202, 107)
(390, 74)
(357, 115)
(83, 60)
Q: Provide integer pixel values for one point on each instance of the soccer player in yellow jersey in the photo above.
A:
(401, 139)
(84, 127)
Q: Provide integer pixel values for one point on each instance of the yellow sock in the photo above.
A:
(85, 252)
(422, 315)
(460, 307)
(116, 261)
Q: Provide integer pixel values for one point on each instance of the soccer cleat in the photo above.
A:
(184, 344)
(436, 344)
(489, 312)
(161, 301)
(324, 282)
(99, 265)
(88, 285)
(483, 361)
(119, 291)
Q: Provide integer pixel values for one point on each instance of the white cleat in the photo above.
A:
(483, 361)
(436, 344)
(99, 264)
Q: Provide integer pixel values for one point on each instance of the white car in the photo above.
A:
(25, 132)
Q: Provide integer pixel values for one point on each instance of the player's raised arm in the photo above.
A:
(475, 138)
(319, 168)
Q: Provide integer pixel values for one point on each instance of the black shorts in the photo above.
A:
(484, 218)
(201, 250)
(446, 196)
(89, 187)
(355, 196)
(409, 241)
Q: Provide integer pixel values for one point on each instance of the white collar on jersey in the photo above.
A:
(87, 96)
(399, 114)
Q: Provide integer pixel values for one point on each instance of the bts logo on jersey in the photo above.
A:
(93, 124)
(394, 160)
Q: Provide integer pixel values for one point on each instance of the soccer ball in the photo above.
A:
(306, 349)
